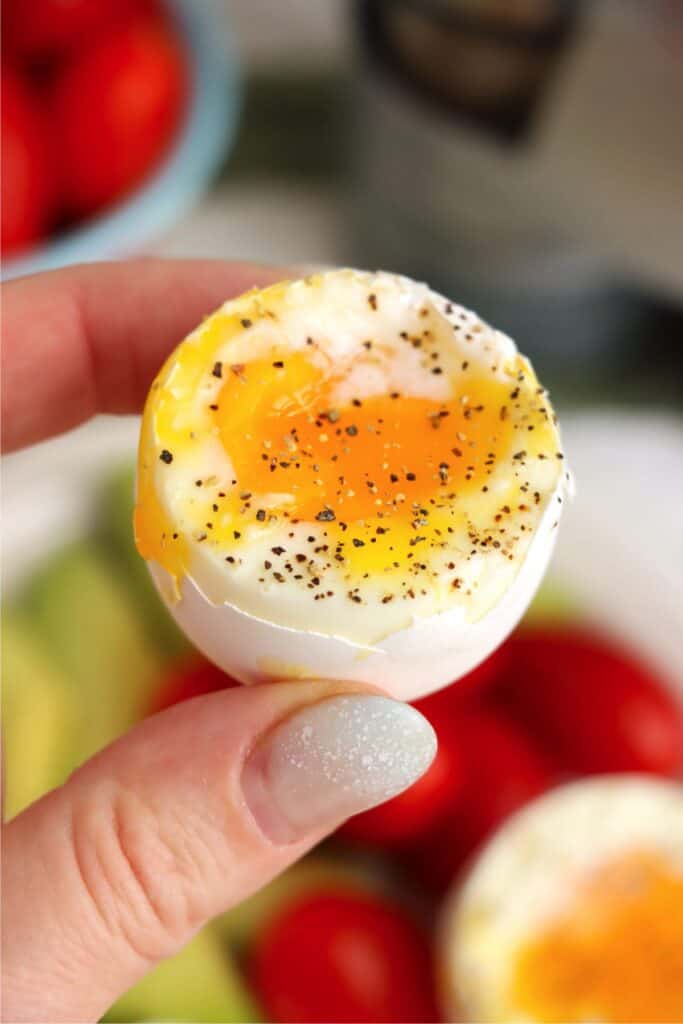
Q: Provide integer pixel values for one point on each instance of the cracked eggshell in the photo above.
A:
(408, 664)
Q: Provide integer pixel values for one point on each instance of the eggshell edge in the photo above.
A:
(415, 661)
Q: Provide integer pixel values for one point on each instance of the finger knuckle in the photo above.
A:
(140, 869)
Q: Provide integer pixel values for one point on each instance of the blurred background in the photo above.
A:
(524, 157)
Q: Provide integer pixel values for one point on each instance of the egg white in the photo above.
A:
(528, 873)
(257, 630)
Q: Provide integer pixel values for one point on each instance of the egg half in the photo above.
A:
(348, 476)
(574, 910)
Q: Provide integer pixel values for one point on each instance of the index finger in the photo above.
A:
(90, 338)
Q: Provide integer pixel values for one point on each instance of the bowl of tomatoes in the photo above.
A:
(115, 116)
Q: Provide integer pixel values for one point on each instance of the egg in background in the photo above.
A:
(348, 476)
(574, 910)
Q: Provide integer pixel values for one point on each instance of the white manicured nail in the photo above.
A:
(334, 759)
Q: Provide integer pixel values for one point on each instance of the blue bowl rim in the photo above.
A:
(209, 129)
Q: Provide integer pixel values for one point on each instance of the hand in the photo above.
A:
(197, 806)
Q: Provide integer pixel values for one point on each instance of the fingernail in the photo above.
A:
(334, 759)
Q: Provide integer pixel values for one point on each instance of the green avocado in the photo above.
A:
(201, 983)
(39, 716)
(553, 605)
(114, 529)
(98, 639)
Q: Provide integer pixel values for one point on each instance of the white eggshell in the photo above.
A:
(407, 664)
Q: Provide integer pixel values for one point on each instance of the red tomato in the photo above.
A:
(468, 691)
(190, 679)
(596, 708)
(502, 771)
(409, 814)
(351, 957)
(480, 679)
(25, 161)
(404, 819)
(45, 29)
(117, 108)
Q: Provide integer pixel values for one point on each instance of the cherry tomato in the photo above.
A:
(401, 821)
(503, 769)
(25, 162)
(404, 818)
(46, 29)
(344, 957)
(480, 680)
(593, 705)
(408, 815)
(117, 108)
(191, 678)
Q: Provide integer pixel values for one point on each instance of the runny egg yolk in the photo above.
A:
(375, 470)
(617, 955)
(402, 460)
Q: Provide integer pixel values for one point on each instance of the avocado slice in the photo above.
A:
(97, 639)
(201, 983)
(39, 716)
(114, 529)
(552, 605)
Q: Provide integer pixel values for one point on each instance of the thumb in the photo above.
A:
(180, 819)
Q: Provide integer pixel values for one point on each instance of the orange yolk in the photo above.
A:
(379, 474)
(617, 956)
(379, 456)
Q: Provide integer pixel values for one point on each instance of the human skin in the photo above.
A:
(200, 805)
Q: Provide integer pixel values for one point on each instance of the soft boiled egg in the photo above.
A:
(348, 476)
(574, 910)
